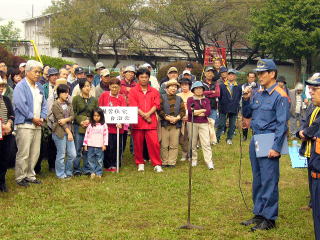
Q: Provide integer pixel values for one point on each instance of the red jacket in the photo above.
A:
(106, 100)
(144, 102)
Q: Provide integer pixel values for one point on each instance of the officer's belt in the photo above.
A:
(315, 175)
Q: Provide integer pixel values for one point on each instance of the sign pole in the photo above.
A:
(118, 150)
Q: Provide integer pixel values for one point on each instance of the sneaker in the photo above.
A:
(92, 175)
(210, 166)
(183, 159)
(98, 176)
(23, 183)
(158, 169)
(229, 142)
(35, 181)
(140, 167)
(194, 163)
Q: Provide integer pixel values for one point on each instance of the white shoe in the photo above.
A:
(210, 166)
(229, 142)
(183, 159)
(158, 169)
(140, 167)
(92, 176)
(194, 163)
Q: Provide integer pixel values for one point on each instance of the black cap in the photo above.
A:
(185, 80)
(189, 65)
(78, 70)
(89, 73)
(281, 79)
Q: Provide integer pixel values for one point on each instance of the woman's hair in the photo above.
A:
(62, 88)
(114, 80)
(82, 82)
(15, 72)
(101, 113)
(142, 71)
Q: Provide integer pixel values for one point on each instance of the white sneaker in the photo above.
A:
(210, 166)
(194, 163)
(158, 169)
(183, 159)
(229, 142)
(140, 167)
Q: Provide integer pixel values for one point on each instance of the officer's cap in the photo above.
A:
(265, 65)
(314, 80)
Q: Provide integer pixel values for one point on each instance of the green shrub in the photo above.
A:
(180, 65)
(55, 62)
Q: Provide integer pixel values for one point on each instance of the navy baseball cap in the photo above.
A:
(232, 71)
(265, 65)
(223, 69)
(52, 71)
(78, 70)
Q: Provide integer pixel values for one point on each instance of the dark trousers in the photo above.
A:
(316, 206)
(47, 150)
(309, 181)
(110, 155)
(222, 120)
(6, 154)
(265, 192)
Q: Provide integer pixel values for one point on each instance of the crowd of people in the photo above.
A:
(55, 114)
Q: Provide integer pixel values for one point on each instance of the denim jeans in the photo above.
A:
(95, 159)
(80, 153)
(222, 124)
(64, 146)
(214, 114)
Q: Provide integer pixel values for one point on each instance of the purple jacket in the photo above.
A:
(203, 103)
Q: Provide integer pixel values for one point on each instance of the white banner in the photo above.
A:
(114, 115)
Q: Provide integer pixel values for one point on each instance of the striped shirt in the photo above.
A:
(3, 111)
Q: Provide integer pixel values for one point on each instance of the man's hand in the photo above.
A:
(85, 148)
(303, 138)
(119, 125)
(6, 129)
(273, 154)
(37, 121)
(104, 148)
(70, 137)
(63, 121)
(247, 93)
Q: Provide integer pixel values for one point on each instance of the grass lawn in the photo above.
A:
(134, 205)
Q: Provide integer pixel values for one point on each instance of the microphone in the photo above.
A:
(253, 85)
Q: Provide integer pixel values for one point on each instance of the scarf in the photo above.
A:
(312, 118)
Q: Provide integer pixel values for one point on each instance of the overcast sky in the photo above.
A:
(22, 9)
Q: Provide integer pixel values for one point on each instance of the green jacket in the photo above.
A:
(9, 92)
(82, 110)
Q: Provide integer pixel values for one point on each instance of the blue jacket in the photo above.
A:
(96, 80)
(23, 103)
(229, 101)
(270, 113)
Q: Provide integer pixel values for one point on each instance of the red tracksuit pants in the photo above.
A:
(153, 146)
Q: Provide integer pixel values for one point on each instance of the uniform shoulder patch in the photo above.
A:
(282, 92)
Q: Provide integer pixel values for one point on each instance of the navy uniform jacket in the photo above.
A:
(270, 113)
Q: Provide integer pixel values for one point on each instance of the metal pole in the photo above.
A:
(189, 225)
(118, 150)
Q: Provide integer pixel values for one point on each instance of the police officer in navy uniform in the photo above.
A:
(269, 108)
(310, 135)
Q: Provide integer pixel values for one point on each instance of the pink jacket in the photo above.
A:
(96, 136)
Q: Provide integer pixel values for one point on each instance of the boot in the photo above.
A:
(245, 134)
